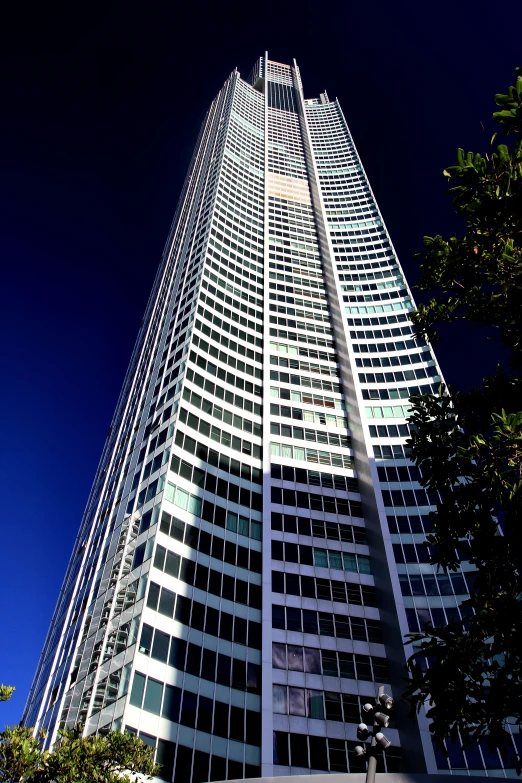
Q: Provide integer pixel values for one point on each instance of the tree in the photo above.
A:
(6, 691)
(468, 446)
(113, 758)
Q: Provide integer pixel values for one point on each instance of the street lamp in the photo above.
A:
(380, 720)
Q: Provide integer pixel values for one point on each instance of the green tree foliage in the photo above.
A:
(468, 446)
(112, 758)
(6, 691)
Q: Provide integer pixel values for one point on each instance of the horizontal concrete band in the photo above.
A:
(360, 777)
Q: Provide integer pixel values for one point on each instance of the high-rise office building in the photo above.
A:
(251, 553)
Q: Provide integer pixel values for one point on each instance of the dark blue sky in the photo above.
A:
(101, 108)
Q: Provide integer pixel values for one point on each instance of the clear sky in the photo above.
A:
(101, 108)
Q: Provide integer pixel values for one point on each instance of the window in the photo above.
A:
(245, 633)
(295, 658)
(153, 694)
(138, 687)
(160, 647)
(279, 700)
(326, 624)
(296, 701)
(171, 703)
(315, 704)
(320, 558)
(312, 660)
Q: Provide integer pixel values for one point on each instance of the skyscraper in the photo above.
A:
(250, 556)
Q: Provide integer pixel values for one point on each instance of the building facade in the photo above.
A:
(251, 557)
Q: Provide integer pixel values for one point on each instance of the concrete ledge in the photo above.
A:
(360, 777)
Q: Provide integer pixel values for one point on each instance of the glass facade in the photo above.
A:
(251, 552)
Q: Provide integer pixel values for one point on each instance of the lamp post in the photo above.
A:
(378, 716)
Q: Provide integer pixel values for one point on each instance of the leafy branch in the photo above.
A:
(468, 446)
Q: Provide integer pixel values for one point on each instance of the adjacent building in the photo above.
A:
(251, 555)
